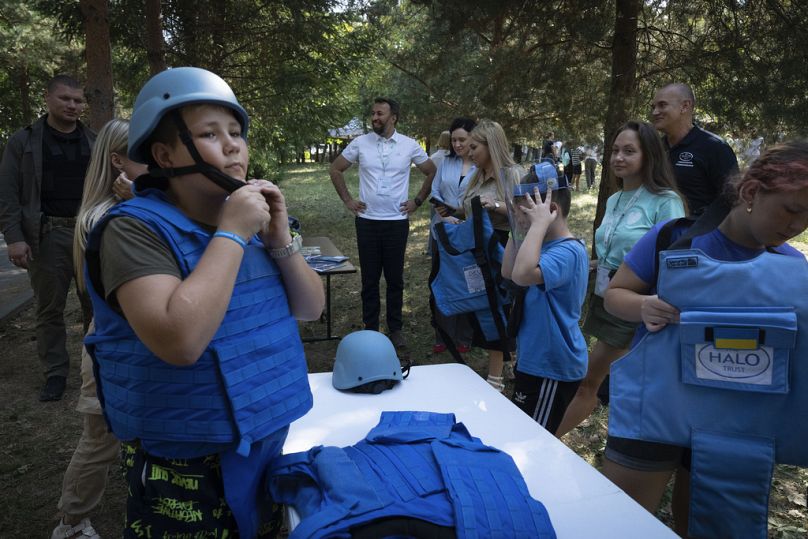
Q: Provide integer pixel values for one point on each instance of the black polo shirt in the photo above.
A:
(702, 163)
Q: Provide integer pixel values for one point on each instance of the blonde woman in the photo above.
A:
(444, 147)
(107, 183)
(492, 181)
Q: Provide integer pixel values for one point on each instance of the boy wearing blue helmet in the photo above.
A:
(197, 284)
(544, 256)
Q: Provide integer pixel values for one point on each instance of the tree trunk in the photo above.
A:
(155, 46)
(624, 70)
(100, 95)
(24, 87)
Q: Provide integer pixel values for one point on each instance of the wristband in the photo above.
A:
(231, 236)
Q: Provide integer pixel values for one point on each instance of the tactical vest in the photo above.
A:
(422, 466)
(730, 381)
(65, 158)
(249, 382)
(465, 274)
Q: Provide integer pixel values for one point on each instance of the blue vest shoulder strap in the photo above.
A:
(730, 381)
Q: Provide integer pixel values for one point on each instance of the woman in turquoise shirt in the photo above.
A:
(647, 196)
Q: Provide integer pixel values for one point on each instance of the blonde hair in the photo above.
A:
(507, 172)
(98, 198)
(445, 140)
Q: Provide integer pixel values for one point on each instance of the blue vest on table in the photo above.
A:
(418, 465)
(468, 278)
(730, 382)
(250, 381)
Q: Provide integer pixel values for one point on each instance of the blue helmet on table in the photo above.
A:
(366, 362)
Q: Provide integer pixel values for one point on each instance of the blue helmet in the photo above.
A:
(366, 362)
(170, 90)
(543, 175)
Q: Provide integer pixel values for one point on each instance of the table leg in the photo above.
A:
(328, 306)
(328, 335)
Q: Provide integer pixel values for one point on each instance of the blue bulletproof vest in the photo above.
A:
(467, 278)
(418, 465)
(730, 381)
(250, 381)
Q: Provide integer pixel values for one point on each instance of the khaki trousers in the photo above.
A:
(86, 476)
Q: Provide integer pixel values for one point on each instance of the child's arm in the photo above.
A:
(508, 259)
(176, 319)
(304, 288)
(628, 298)
(526, 267)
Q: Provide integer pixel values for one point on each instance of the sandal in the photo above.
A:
(82, 530)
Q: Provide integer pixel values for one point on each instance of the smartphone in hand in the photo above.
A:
(448, 210)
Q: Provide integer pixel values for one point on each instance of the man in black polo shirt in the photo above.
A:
(702, 162)
(41, 183)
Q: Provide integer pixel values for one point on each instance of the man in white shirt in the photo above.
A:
(382, 209)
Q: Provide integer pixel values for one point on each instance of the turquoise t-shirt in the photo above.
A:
(550, 342)
(629, 215)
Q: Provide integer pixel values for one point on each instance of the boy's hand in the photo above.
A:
(277, 233)
(246, 212)
(539, 212)
(656, 314)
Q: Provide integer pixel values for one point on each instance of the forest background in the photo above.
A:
(579, 68)
(301, 67)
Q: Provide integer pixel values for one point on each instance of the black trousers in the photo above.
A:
(382, 245)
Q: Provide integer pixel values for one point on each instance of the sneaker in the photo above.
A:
(53, 389)
(398, 340)
(496, 382)
(464, 348)
(82, 530)
(438, 348)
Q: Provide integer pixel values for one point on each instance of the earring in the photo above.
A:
(749, 208)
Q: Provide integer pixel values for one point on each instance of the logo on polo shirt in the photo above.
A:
(685, 160)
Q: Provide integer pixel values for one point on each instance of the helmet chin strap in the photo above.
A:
(226, 182)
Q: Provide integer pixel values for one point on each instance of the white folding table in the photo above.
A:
(581, 502)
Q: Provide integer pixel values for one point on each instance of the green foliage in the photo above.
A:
(293, 64)
(31, 54)
(301, 67)
(530, 66)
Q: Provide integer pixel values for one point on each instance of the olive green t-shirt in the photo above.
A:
(130, 249)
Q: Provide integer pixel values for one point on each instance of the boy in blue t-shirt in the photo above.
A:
(553, 264)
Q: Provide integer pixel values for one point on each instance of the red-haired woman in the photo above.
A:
(769, 207)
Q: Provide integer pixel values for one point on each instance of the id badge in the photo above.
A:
(383, 187)
(602, 280)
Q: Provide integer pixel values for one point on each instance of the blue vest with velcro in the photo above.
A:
(730, 381)
(468, 278)
(417, 465)
(249, 382)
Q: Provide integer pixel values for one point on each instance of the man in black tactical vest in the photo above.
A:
(41, 183)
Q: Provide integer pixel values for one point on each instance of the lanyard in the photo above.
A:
(383, 148)
(611, 228)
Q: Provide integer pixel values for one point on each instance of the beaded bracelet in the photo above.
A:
(231, 236)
